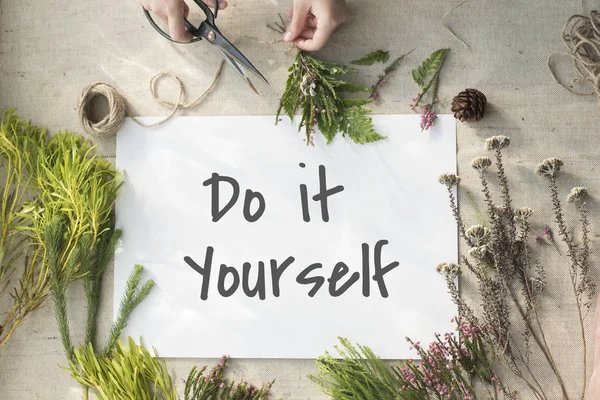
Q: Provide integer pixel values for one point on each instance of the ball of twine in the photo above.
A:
(581, 36)
(110, 124)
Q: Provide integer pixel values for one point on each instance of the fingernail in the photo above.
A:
(287, 37)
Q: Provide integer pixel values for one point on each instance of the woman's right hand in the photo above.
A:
(172, 13)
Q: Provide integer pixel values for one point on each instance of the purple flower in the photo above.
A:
(428, 117)
(548, 235)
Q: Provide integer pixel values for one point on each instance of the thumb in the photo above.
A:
(301, 8)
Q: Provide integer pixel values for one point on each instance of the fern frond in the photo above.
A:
(314, 88)
(359, 126)
(429, 67)
(373, 57)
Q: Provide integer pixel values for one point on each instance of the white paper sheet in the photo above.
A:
(390, 192)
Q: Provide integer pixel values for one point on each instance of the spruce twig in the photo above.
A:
(94, 274)
(59, 280)
(132, 297)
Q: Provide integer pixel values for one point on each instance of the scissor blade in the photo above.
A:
(238, 68)
(233, 53)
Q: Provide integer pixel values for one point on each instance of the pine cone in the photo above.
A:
(469, 106)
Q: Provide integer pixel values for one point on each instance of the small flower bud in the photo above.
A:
(578, 194)
(449, 270)
(497, 143)
(481, 163)
(449, 179)
(523, 213)
(479, 253)
(478, 234)
(549, 167)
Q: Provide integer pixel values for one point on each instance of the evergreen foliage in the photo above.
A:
(314, 88)
(373, 57)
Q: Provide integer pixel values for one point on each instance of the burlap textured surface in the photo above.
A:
(51, 50)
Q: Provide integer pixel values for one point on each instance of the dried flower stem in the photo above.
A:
(539, 393)
(501, 265)
(457, 217)
(572, 254)
(505, 195)
(540, 340)
(383, 77)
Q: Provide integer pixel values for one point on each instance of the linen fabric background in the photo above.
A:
(49, 51)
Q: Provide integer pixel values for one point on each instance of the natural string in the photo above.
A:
(581, 35)
(118, 109)
(448, 28)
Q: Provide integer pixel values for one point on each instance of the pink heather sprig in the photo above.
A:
(213, 385)
(448, 364)
(427, 77)
(428, 116)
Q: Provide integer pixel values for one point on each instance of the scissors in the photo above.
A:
(208, 30)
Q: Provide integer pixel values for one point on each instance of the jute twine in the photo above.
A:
(118, 110)
(581, 35)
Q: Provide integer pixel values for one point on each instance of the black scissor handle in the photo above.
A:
(191, 28)
(210, 19)
(210, 15)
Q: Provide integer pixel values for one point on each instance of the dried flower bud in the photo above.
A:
(500, 211)
(480, 252)
(523, 214)
(449, 179)
(549, 167)
(578, 194)
(450, 270)
(481, 163)
(307, 86)
(537, 284)
(478, 234)
(497, 143)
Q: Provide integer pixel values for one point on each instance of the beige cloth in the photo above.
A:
(50, 50)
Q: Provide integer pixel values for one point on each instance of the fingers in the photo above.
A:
(311, 20)
(211, 3)
(175, 14)
(301, 9)
(318, 40)
(307, 33)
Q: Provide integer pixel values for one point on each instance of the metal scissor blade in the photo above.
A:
(234, 54)
(238, 68)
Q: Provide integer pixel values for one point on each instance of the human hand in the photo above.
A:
(172, 13)
(313, 21)
(594, 386)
